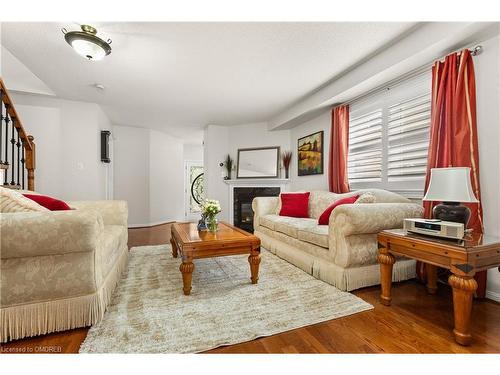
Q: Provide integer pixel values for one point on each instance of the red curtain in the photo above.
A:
(453, 138)
(339, 148)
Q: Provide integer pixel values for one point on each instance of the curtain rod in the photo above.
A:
(413, 73)
(476, 50)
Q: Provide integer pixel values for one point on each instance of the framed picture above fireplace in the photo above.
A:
(261, 162)
(310, 154)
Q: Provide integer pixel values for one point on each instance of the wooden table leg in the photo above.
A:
(386, 261)
(174, 247)
(254, 260)
(187, 268)
(431, 278)
(463, 292)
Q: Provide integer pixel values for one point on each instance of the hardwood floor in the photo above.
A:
(157, 235)
(415, 323)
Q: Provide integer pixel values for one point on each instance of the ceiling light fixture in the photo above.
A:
(87, 44)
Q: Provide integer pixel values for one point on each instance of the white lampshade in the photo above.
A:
(450, 185)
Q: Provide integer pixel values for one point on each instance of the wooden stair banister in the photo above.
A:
(28, 160)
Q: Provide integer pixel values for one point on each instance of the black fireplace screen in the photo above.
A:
(242, 204)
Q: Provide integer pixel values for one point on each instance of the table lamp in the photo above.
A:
(451, 186)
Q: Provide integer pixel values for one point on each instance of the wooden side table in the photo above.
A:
(463, 258)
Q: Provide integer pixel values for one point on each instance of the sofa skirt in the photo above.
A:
(40, 318)
(345, 279)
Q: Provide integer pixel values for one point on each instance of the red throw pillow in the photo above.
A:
(295, 204)
(49, 202)
(325, 216)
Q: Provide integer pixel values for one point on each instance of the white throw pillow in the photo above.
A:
(13, 201)
(366, 198)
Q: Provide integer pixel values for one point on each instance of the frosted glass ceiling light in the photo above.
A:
(87, 44)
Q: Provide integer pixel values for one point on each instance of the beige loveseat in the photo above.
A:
(59, 268)
(344, 252)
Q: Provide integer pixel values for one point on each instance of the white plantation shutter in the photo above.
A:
(389, 136)
(365, 147)
(408, 138)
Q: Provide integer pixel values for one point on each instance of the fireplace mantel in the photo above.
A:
(258, 181)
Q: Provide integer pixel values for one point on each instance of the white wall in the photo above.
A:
(193, 152)
(44, 123)
(315, 182)
(216, 147)
(83, 177)
(149, 175)
(166, 178)
(256, 135)
(221, 140)
(487, 66)
(106, 170)
(147, 168)
(67, 138)
(131, 171)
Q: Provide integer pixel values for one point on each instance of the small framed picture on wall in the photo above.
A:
(310, 154)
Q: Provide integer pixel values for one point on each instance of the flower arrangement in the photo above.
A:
(209, 210)
(210, 207)
(286, 157)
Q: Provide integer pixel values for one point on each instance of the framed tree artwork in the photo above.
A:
(310, 154)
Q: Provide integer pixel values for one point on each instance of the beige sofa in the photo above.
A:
(59, 269)
(344, 252)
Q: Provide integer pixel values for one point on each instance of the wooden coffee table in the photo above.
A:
(192, 244)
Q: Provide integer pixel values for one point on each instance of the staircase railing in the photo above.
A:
(18, 160)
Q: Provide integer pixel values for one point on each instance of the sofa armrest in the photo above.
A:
(263, 206)
(353, 229)
(112, 212)
(31, 234)
(371, 218)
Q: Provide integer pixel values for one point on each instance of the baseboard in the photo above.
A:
(493, 295)
(149, 225)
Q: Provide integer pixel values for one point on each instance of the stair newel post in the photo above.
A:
(31, 163)
(13, 149)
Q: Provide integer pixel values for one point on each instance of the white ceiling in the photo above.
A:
(179, 77)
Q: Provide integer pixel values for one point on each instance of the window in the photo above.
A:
(408, 138)
(365, 147)
(389, 137)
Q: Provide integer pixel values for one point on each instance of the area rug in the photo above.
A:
(150, 314)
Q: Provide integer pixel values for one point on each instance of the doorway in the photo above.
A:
(193, 189)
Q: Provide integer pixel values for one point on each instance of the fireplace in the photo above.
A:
(242, 204)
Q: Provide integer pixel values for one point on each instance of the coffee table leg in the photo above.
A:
(187, 268)
(174, 247)
(254, 260)
(386, 261)
(463, 291)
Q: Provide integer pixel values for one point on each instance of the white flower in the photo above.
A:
(210, 207)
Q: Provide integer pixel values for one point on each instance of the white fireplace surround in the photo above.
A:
(281, 183)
